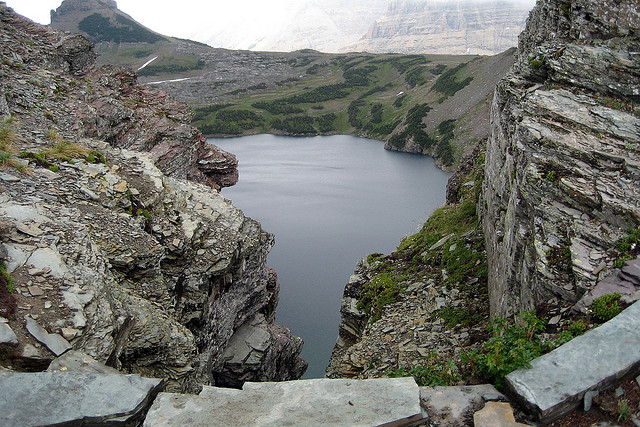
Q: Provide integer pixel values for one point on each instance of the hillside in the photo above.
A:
(120, 40)
(431, 104)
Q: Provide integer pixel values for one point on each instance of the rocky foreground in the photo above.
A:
(114, 239)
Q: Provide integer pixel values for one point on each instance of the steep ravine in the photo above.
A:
(112, 232)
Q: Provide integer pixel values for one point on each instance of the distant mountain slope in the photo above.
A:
(101, 21)
(323, 25)
(120, 40)
(459, 27)
(454, 27)
(431, 104)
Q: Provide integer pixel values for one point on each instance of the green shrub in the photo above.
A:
(448, 84)
(628, 247)
(456, 316)
(96, 157)
(326, 123)
(577, 327)
(383, 289)
(277, 107)
(433, 371)
(535, 63)
(399, 100)
(352, 113)
(560, 258)
(11, 287)
(605, 307)
(513, 345)
(296, 125)
(376, 113)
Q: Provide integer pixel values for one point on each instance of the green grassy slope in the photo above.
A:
(385, 96)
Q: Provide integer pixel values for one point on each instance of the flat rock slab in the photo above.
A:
(68, 398)
(292, 403)
(7, 336)
(53, 342)
(496, 414)
(557, 381)
(455, 406)
(76, 361)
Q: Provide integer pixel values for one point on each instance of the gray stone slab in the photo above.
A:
(7, 336)
(558, 381)
(631, 271)
(69, 398)
(53, 342)
(455, 406)
(293, 403)
(76, 361)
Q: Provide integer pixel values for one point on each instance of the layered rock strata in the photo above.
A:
(129, 256)
(563, 162)
(479, 27)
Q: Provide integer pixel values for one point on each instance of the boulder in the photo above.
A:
(76, 361)
(455, 406)
(54, 342)
(65, 398)
(7, 336)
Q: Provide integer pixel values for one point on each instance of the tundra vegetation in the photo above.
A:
(384, 97)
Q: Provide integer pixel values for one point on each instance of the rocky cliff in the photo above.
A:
(479, 27)
(115, 241)
(562, 165)
(543, 220)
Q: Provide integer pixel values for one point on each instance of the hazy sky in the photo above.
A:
(240, 24)
(166, 17)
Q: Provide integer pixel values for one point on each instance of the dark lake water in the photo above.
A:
(330, 201)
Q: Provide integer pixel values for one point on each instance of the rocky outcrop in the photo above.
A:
(126, 255)
(480, 27)
(563, 163)
(456, 406)
(399, 310)
(105, 103)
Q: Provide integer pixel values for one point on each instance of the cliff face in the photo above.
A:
(480, 27)
(116, 241)
(562, 165)
(547, 203)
